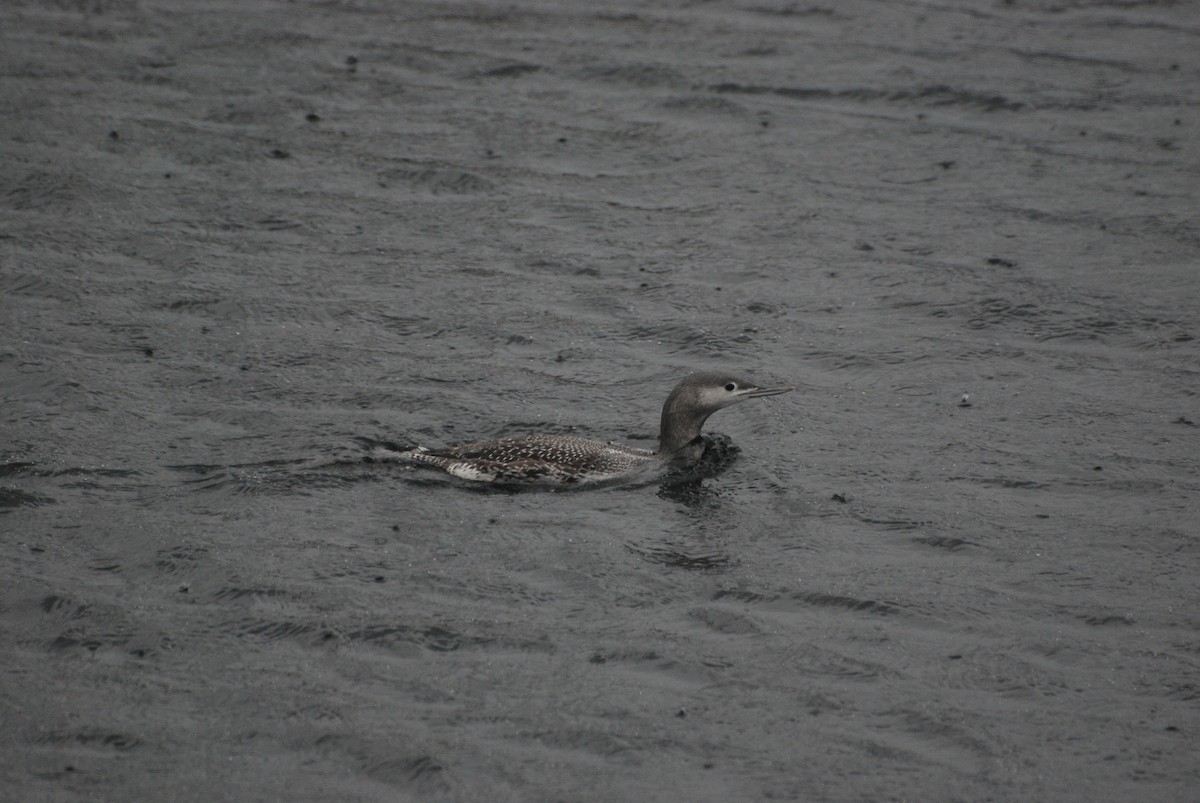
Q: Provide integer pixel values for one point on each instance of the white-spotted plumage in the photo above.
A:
(537, 459)
(562, 460)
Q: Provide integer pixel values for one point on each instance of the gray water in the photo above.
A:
(241, 242)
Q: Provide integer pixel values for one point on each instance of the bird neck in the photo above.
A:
(680, 426)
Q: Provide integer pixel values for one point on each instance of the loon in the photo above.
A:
(563, 460)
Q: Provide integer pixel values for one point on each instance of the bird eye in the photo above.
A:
(731, 387)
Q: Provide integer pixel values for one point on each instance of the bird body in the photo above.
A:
(538, 459)
(563, 460)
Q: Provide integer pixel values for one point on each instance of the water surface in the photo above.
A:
(239, 241)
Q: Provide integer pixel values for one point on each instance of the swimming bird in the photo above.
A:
(563, 460)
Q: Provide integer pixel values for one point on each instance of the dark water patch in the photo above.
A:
(679, 557)
(194, 304)
(36, 286)
(232, 594)
(317, 712)
(20, 469)
(1006, 672)
(272, 630)
(436, 638)
(1001, 482)
(933, 95)
(305, 482)
(1068, 579)
(948, 543)
(937, 735)
(692, 494)
(86, 477)
(268, 477)
(62, 643)
(277, 223)
(626, 656)
(794, 10)
(1097, 327)
(766, 308)
(1182, 690)
(1181, 229)
(941, 95)
(78, 636)
(639, 75)
(744, 595)
(369, 574)
(916, 392)
(381, 450)
(1102, 620)
(894, 524)
(822, 600)
(818, 662)
(214, 481)
(513, 70)
(424, 774)
(811, 599)
(62, 607)
(435, 181)
(1057, 8)
(1073, 58)
(40, 190)
(216, 315)
(598, 742)
(998, 311)
(408, 326)
(253, 224)
(431, 637)
(515, 428)
(179, 558)
(41, 381)
(680, 339)
(95, 739)
(13, 498)
(416, 771)
(704, 104)
(1128, 486)
(724, 620)
(856, 363)
(510, 591)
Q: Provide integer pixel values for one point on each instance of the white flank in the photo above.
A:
(467, 471)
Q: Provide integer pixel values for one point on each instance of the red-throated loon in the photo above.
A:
(566, 460)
